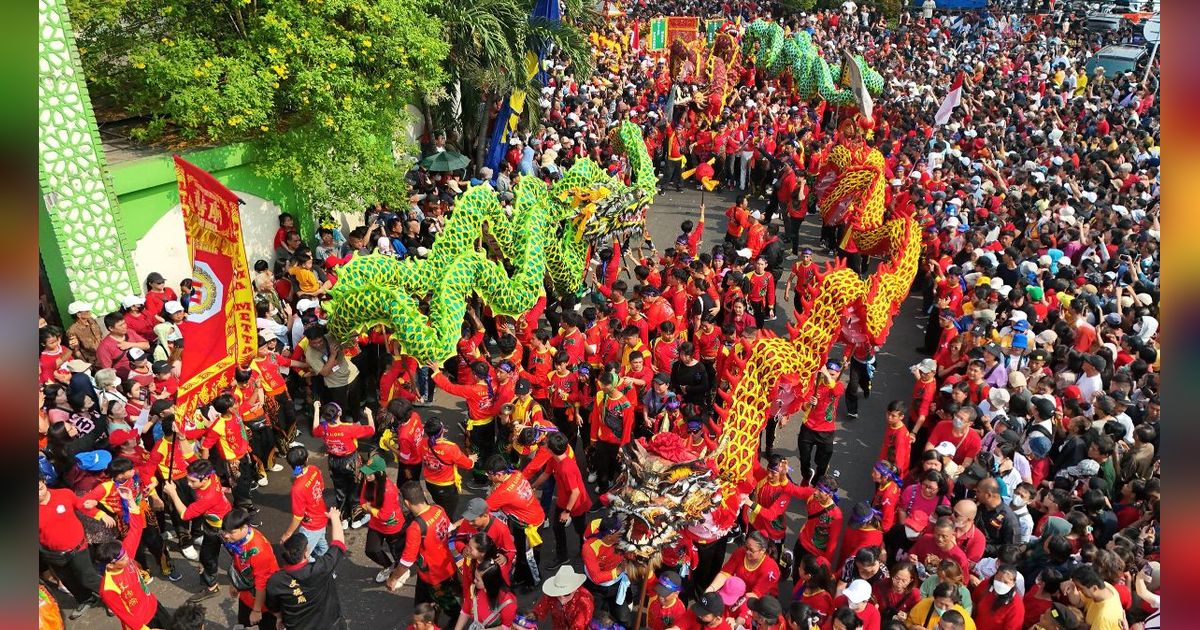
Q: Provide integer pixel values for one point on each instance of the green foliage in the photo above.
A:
(798, 6)
(321, 84)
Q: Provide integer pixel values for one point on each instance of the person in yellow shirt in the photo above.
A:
(943, 603)
(1081, 82)
(306, 279)
(1100, 601)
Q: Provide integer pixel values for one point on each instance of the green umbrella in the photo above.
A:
(445, 161)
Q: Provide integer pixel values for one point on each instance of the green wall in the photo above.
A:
(146, 188)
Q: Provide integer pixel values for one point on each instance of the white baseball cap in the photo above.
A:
(78, 307)
(946, 449)
(858, 591)
(306, 305)
(132, 300)
(173, 307)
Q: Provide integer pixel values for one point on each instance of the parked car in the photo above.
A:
(1116, 59)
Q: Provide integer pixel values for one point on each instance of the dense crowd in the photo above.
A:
(1018, 487)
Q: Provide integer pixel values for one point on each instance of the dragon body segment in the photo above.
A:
(776, 53)
(780, 374)
(547, 234)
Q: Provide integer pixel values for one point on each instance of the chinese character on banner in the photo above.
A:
(219, 330)
(686, 28)
(711, 26)
(658, 34)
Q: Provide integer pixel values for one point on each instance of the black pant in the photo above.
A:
(769, 435)
(761, 313)
(606, 456)
(896, 540)
(262, 445)
(407, 472)
(239, 476)
(348, 397)
(522, 572)
(152, 550)
(710, 557)
(184, 530)
(445, 497)
(561, 417)
(343, 472)
(933, 332)
(792, 233)
(672, 171)
(384, 549)
(560, 531)
(859, 380)
(606, 600)
(816, 449)
(267, 622)
(76, 571)
(161, 619)
(483, 442)
(210, 555)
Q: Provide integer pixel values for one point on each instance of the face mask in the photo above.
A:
(958, 424)
(1000, 588)
(939, 611)
(1018, 502)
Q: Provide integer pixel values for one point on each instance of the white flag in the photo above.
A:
(857, 85)
(952, 101)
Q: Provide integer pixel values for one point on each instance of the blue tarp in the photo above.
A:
(955, 5)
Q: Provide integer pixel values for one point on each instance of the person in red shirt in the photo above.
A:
(426, 547)
(571, 499)
(897, 441)
(997, 604)
(856, 600)
(933, 547)
(123, 590)
(665, 608)
(111, 351)
(563, 602)
(737, 221)
(253, 563)
(762, 292)
(137, 317)
(440, 461)
(308, 502)
(611, 427)
(478, 519)
(604, 564)
(380, 498)
(225, 442)
(818, 537)
(959, 433)
(665, 348)
(766, 507)
(707, 613)
(815, 442)
(341, 445)
(63, 545)
(210, 507)
(570, 342)
(513, 496)
(887, 492)
(753, 565)
(480, 396)
(767, 614)
(565, 390)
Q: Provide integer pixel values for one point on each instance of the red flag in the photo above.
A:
(220, 330)
(635, 38)
(952, 101)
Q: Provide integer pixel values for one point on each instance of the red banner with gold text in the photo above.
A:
(219, 333)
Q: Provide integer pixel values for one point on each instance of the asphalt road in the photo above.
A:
(369, 605)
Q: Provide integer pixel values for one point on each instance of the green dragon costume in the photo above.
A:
(549, 232)
(813, 76)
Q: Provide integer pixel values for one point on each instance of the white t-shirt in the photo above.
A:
(1090, 386)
